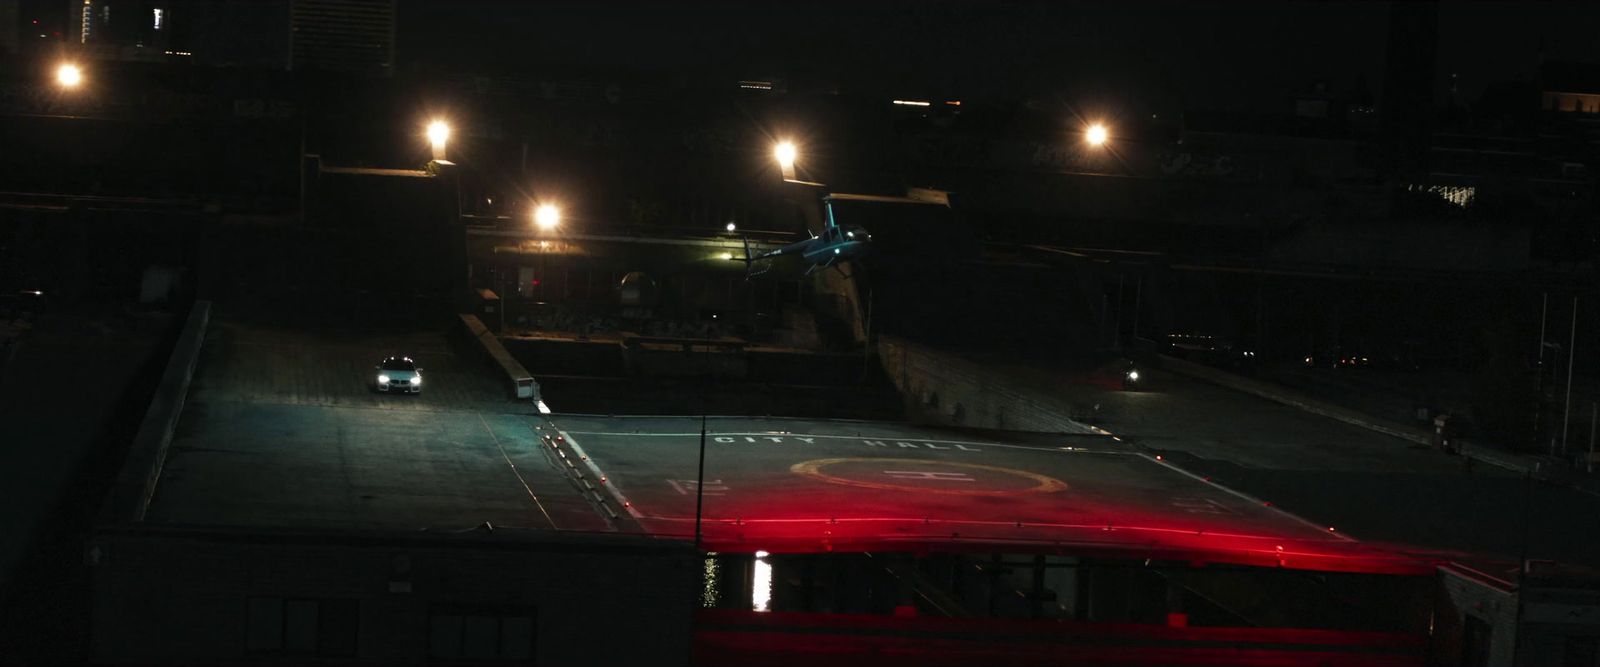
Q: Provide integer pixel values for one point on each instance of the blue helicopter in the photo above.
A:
(836, 244)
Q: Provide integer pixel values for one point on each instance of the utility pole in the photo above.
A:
(1594, 414)
(1544, 312)
(1572, 348)
(1138, 293)
(1121, 279)
(700, 473)
(1538, 410)
(700, 482)
(866, 351)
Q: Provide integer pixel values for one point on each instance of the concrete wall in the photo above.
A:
(172, 596)
(1466, 594)
(1555, 617)
(941, 388)
(130, 495)
(518, 380)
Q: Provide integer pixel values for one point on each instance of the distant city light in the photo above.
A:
(69, 75)
(1460, 195)
(547, 216)
(911, 103)
(158, 15)
(756, 85)
(1096, 134)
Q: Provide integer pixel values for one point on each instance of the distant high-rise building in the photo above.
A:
(144, 30)
(343, 35)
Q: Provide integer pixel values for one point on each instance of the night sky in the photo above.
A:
(1150, 55)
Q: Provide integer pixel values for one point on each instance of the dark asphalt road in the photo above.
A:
(1372, 486)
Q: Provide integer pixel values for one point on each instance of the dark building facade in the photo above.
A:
(343, 35)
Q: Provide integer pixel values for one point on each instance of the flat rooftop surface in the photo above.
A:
(282, 429)
(801, 485)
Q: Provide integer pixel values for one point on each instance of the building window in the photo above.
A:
(1459, 195)
(481, 634)
(287, 626)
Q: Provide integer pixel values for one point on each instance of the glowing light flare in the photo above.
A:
(786, 153)
(732, 227)
(1096, 135)
(69, 75)
(869, 519)
(547, 216)
(438, 132)
(761, 585)
(911, 103)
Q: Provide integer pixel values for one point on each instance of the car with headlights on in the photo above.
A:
(398, 375)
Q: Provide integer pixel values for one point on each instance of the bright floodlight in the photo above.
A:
(438, 132)
(785, 153)
(547, 216)
(732, 227)
(1096, 134)
(69, 75)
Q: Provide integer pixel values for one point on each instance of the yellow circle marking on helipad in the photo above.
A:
(814, 469)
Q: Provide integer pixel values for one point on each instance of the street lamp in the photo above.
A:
(438, 134)
(786, 152)
(1096, 135)
(547, 216)
(68, 75)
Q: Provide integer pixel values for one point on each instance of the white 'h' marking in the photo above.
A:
(931, 476)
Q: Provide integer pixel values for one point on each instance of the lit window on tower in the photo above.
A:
(86, 22)
(1459, 195)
